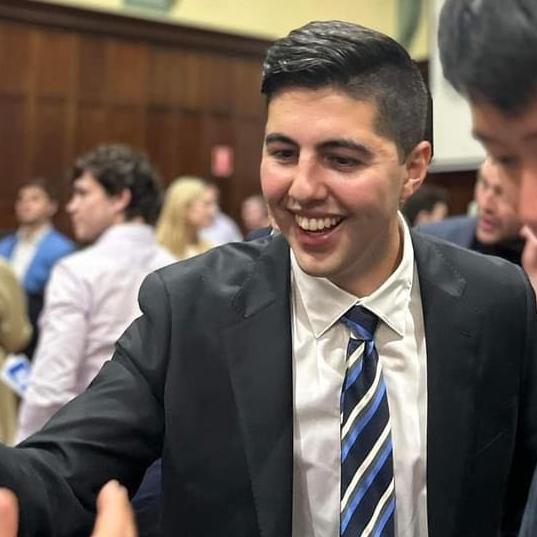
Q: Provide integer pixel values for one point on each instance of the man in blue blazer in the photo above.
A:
(235, 371)
(495, 230)
(36, 246)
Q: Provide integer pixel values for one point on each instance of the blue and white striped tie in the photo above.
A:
(367, 483)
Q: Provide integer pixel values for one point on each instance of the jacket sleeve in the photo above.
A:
(112, 431)
(525, 455)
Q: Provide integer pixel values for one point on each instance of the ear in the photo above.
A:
(416, 165)
(122, 200)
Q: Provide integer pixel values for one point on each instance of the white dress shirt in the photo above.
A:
(319, 354)
(25, 250)
(90, 300)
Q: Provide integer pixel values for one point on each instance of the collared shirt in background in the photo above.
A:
(25, 250)
(91, 298)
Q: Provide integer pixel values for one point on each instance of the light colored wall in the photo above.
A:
(270, 19)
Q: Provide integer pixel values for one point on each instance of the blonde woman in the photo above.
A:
(188, 208)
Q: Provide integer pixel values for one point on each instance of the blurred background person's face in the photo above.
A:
(496, 197)
(254, 214)
(92, 210)
(33, 206)
(202, 210)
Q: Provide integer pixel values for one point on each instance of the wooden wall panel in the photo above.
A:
(12, 128)
(49, 137)
(127, 72)
(90, 128)
(167, 73)
(72, 79)
(91, 69)
(162, 140)
(191, 158)
(15, 58)
(54, 64)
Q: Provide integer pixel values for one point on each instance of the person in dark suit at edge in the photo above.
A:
(237, 368)
(489, 54)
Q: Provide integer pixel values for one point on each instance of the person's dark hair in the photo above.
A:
(118, 167)
(424, 199)
(488, 50)
(363, 63)
(43, 184)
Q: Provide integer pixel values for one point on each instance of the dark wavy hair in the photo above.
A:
(488, 50)
(43, 184)
(118, 167)
(365, 64)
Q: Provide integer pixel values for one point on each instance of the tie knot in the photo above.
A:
(361, 322)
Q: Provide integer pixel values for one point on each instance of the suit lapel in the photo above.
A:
(452, 331)
(259, 353)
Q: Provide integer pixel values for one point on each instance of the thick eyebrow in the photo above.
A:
(485, 138)
(343, 143)
(488, 139)
(337, 143)
(276, 137)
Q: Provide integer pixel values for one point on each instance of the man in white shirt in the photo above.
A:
(92, 294)
(242, 369)
(35, 247)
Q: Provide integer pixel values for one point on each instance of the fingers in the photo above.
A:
(115, 517)
(526, 233)
(9, 514)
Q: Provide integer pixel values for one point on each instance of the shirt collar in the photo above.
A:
(36, 236)
(325, 302)
(126, 232)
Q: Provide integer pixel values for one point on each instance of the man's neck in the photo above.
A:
(27, 231)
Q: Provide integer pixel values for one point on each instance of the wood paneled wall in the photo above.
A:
(70, 79)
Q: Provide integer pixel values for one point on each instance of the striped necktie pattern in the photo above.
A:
(367, 481)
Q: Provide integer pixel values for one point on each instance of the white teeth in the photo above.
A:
(316, 224)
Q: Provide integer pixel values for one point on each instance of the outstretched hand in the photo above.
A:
(115, 517)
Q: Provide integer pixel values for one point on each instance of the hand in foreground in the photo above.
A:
(115, 517)
(529, 255)
(9, 514)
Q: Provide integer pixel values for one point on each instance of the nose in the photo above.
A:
(71, 205)
(488, 200)
(528, 196)
(308, 183)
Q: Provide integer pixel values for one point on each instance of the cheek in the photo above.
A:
(274, 182)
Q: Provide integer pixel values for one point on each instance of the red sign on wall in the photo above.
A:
(222, 161)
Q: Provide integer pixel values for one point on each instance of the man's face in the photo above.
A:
(497, 200)
(33, 206)
(254, 214)
(333, 184)
(512, 143)
(91, 209)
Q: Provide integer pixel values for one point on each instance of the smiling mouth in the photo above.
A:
(317, 224)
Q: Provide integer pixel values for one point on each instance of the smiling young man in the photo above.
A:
(342, 377)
